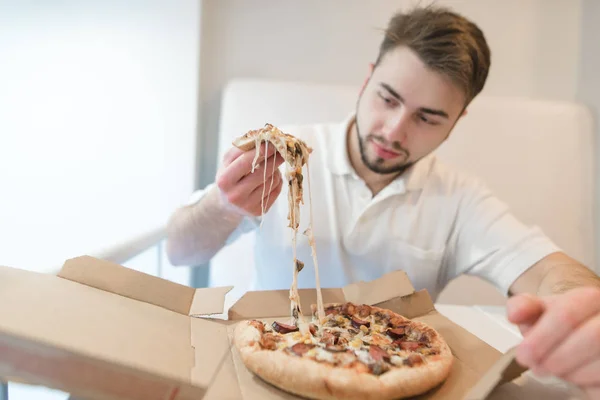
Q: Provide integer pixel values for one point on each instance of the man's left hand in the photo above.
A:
(561, 335)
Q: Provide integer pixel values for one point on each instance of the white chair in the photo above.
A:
(535, 155)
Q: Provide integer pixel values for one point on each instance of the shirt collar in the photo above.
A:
(413, 178)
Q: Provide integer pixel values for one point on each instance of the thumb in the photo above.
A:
(524, 310)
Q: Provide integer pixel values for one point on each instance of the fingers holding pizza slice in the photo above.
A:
(357, 352)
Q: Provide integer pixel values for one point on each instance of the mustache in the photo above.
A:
(396, 146)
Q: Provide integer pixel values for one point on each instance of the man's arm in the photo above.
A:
(560, 323)
(555, 273)
(195, 233)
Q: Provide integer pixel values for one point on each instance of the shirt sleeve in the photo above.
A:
(248, 224)
(489, 242)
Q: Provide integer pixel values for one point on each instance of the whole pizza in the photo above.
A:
(355, 352)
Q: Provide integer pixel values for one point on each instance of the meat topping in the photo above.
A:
(378, 354)
(357, 323)
(280, 327)
(413, 359)
(301, 348)
(411, 346)
(395, 333)
(363, 310)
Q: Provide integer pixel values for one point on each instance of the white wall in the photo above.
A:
(535, 46)
(98, 115)
(588, 89)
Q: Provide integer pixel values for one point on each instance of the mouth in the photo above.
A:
(385, 152)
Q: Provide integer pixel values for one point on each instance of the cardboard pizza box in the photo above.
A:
(102, 331)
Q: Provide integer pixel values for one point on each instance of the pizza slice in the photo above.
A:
(296, 154)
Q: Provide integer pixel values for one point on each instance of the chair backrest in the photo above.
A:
(535, 155)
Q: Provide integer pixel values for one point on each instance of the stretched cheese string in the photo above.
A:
(294, 295)
(313, 248)
(270, 186)
(262, 197)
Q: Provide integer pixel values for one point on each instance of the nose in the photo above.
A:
(397, 127)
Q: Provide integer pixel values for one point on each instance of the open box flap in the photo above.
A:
(270, 303)
(94, 323)
(504, 370)
(389, 286)
(31, 362)
(208, 301)
(114, 278)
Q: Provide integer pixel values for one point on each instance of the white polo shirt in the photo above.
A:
(433, 222)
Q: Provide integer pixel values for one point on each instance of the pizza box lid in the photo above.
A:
(103, 331)
(99, 330)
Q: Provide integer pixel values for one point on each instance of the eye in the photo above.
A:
(387, 100)
(425, 118)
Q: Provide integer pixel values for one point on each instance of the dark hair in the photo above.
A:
(445, 41)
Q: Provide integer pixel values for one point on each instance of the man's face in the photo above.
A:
(404, 112)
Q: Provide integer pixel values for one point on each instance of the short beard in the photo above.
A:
(378, 166)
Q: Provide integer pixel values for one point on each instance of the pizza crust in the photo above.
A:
(317, 380)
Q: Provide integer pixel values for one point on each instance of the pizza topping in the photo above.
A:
(396, 333)
(397, 322)
(299, 265)
(258, 325)
(358, 323)
(284, 328)
(269, 341)
(348, 309)
(413, 359)
(411, 346)
(378, 354)
(335, 348)
(380, 340)
(332, 310)
(329, 338)
(301, 348)
(313, 329)
(363, 310)
(381, 317)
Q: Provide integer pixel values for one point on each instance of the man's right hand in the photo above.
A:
(250, 192)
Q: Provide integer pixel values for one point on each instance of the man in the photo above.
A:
(383, 202)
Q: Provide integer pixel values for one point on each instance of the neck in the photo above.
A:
(374, 181)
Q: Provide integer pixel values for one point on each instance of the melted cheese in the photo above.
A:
(324, 355)
(313, 248)
(293, 171)
(364, 357)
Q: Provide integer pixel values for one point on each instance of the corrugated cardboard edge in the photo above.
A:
(504, 370)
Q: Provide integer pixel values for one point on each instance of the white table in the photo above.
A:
(489, 323)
